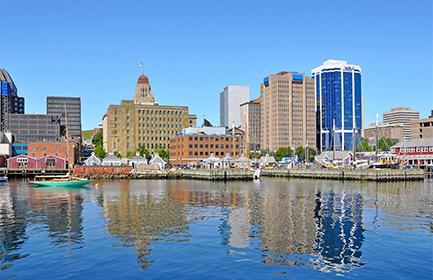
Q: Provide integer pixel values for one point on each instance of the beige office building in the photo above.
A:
(401, 115)
(391, 131)
(422, 128)
(288, 111)
(142, 122)
(251, 123)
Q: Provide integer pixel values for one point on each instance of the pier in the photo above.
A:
(378, 175)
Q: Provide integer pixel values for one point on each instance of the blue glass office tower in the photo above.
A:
(10, 102)
(339, 103)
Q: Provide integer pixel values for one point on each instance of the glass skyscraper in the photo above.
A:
(338, 105)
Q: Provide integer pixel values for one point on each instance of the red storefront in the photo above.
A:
(22, 162)
(417, 152)
(28, 162)
(51, 162)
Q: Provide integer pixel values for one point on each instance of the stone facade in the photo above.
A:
(422, 128)
(143, 123)
(404, 116)
(288, 111)
(251, 123)
(391, 131)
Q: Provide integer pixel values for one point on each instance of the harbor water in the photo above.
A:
(274, 228)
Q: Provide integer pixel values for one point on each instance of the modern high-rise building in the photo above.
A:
(401, 115)
(251, 123)
(58, 105)
(11, 103)
(338, 105)
(230, 100)
(142, 122)
(287, 111)
(34, 127)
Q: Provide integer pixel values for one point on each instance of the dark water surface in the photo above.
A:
(273, 229)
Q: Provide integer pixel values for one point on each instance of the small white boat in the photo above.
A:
(257, 174)
(3, 179)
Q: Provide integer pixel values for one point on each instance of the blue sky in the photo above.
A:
(192, 49)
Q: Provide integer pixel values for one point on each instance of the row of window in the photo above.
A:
(205, 138)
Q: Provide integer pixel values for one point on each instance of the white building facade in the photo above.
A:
(230, 100)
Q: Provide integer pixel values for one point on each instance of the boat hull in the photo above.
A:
(70, 184)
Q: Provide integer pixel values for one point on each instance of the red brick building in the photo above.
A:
(197, 144)
(54, 148)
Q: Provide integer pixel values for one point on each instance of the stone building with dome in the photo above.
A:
(142, 122)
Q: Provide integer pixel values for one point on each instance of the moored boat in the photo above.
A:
(59, 181)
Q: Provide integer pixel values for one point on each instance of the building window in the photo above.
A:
(50, 162)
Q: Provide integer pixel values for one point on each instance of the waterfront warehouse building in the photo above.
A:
(339, 101)
(197, 144)
(58, 105)
(142, 122)
(251, 123)
(230, 100)
(422, 128)
(11, 103)
(287, 111)
(418, 152)
(403, 116)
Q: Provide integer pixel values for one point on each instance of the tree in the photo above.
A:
(130, 154)
(385, 144)
(300, 153)
(163, 153)
(144, 153)
(283, 152)
(99, 151)
(364, 147)
(117, 154)
(98, 138)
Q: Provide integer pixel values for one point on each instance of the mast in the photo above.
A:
(67, 139)
(333, 140)
(247, 142)
(376, 134)
(234, 145)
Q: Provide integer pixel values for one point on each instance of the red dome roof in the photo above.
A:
(143, 79)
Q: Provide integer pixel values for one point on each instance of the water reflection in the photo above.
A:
(56, 212)
(140, 219)
(319, 225)
(12, 226)
(339, 231)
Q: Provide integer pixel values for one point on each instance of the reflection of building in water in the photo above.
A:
(61, 212)
(239, 222)
(13, 227)
(340, 231)
(138, 220)
(287, 224)
(295, 221)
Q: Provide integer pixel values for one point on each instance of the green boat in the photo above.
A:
(59, 181)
